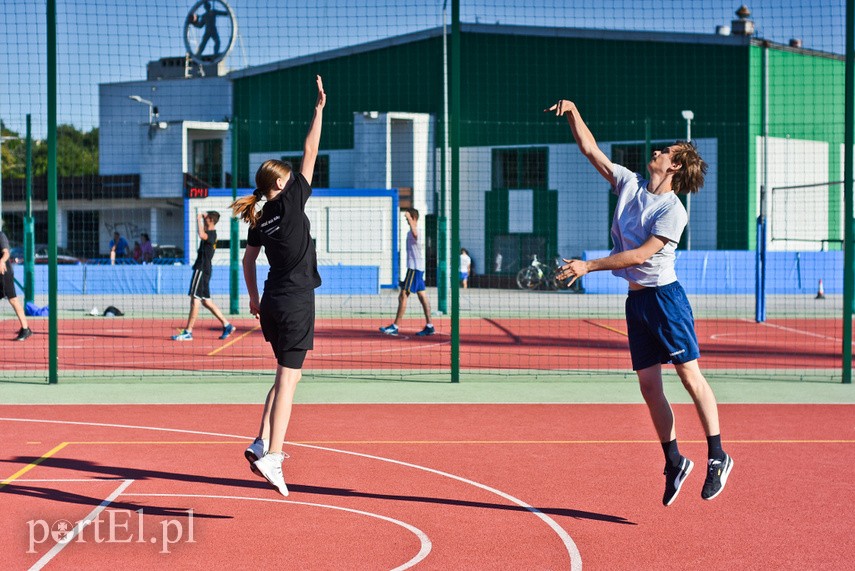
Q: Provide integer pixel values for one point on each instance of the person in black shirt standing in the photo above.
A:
(287, 310)
(200, 290)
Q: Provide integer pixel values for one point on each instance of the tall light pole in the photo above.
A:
(688, 116)
(152, 115)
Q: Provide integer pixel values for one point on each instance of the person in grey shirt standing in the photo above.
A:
(7, 287)
(648, 222)
(414, 281)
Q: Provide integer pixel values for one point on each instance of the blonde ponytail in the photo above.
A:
(245, 208)
(265, 181)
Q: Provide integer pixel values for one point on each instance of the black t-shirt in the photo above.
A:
(205, 253)
(285, 232)
(4, 245)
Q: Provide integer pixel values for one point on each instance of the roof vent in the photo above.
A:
(743, 26)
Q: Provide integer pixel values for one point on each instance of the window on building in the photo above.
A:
(520, 168)
(321, 174)
(208, 161)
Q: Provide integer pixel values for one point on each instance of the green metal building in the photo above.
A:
(630, 87)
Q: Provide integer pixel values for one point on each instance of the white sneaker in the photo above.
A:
(270, 467)
(255, 452)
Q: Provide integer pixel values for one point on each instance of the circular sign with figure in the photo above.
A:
(202, 30)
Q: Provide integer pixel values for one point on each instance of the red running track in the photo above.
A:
(553, 344)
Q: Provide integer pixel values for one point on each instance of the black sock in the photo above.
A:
(672, 453)
(714, 447)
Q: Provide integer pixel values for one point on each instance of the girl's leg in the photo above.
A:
(280, 410)
(264, 428)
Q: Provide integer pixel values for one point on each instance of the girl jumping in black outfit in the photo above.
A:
(287, 310)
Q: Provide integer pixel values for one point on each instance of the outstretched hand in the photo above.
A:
(322, 96)
(573, 269)
(561, 108)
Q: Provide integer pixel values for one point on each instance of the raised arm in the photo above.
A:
(414, 224)
(584, 138)
(313, 137)
(200, 226)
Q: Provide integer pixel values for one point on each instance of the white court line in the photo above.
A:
(424, 540)
(800, 331)
(93, 515)
(569, 545)
(18, 480)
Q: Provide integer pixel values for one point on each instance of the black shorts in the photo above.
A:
(7, 284)
(200, 285)
(288, 324)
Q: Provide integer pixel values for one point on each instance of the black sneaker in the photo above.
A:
(717, 473)
(24, 333)
(674, 478)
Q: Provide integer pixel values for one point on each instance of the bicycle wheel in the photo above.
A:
(528, 278)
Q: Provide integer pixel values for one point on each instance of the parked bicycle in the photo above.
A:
(539, 275)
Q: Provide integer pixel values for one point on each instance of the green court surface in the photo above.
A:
(421, 389)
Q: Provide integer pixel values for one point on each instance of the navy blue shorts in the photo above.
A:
(414, 281)
(661, 326)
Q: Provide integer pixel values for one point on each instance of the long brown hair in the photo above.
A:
(265, 181)
(690, 178)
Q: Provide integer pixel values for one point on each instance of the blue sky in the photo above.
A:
(102, 41)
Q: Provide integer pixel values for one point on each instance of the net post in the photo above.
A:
(760, 267)
(29, 225)
(454, 137)
(442, 218)
(234, 231)
(53, 306)
(848, 168)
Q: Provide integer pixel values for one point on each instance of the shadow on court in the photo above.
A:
(139, 474)
(80, 499)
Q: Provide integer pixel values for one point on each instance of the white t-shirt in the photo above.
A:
(638, 216)
(414, 254)
(465, 262)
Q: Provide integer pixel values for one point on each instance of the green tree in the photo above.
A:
(77, 153)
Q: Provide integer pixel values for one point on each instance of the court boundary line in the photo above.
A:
(606, 327)
(799, 331)
(33, 464)
(233, 341)
(425, 548)
(486, 442)
(426, 544)
(60, 545)
(566, 540)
